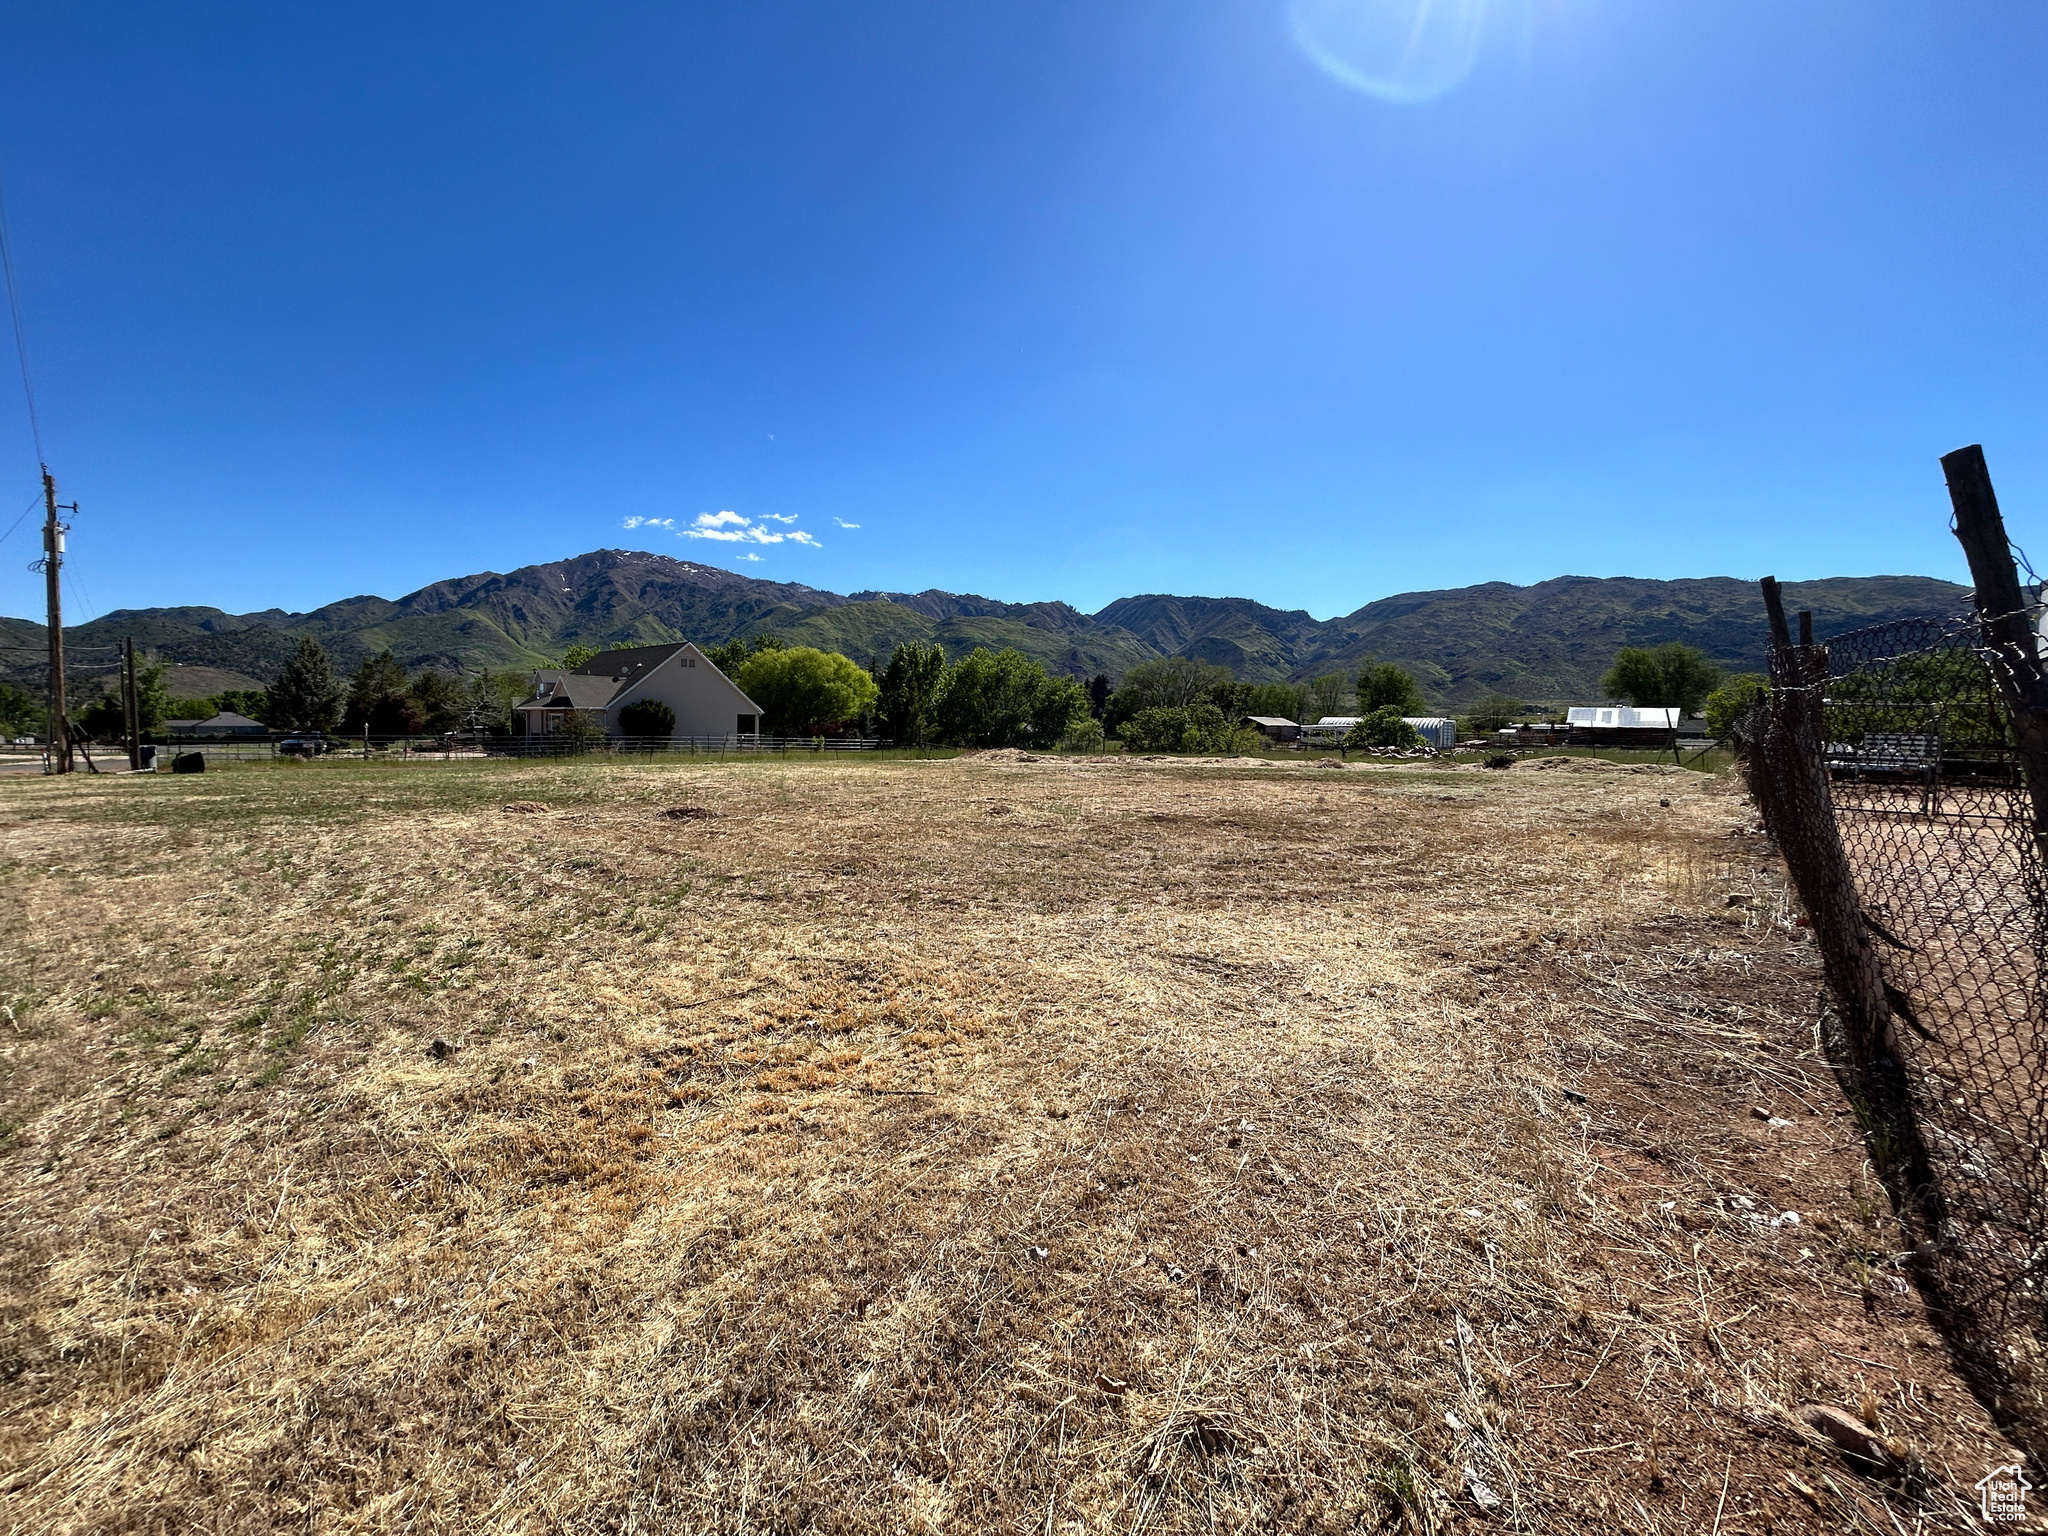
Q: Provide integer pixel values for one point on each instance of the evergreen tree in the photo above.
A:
(376, 696)
(307, 696)
(436, 702)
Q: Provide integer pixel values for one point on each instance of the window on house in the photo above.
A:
(747, 725)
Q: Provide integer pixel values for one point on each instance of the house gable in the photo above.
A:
(706, 701)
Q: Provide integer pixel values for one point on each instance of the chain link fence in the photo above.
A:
(1888, 765)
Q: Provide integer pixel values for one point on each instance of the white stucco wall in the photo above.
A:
(705, 700)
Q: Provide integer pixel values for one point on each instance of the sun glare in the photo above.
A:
(1397, 50)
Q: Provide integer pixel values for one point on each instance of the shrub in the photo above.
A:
(647, 717)
(579, 731)
(1384, 727)
(1500, 759)
(1730, 700)
(1084, 735)
(1197, 728)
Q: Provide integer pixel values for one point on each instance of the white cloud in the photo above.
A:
(750, 556)
(732, 528)
(843, 523)
(652, 522)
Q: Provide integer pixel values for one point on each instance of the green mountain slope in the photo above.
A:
(1548, 642)
(1553, 640)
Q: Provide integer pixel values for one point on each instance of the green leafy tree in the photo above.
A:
(910, 687)
(377, 700)
(1387, 686)
(1734, 695)
(1949, 694)
(1325, 695)
(732, 655)
(1005, 699)
(436, 701)
(152, 698)
(103, 720)
(647, 717)
(578, 655)
(1495, 711)
(1279, 701)
(1383, 727)
(307, 696)
(21, 712)
(1670, 675)
(806, 692)
(1169, 682)
(1199, 727)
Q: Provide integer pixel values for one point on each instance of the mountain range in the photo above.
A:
(1545, 643)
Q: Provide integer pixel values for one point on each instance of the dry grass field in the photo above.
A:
(971, 1146)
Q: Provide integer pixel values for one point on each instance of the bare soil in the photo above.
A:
(992, 1144)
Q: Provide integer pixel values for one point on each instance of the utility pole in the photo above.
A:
(131, 701)
(52, 562)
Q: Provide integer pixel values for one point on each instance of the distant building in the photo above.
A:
(1619, 725)
(1273, 728)
(225, 726)
(707, 703)
(1328, 731)
(1438, 731)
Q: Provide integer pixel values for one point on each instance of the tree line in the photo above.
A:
(917, 698)
(381, 697)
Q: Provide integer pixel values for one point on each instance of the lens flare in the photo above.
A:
(1397, 50)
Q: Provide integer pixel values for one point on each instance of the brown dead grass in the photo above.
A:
(1182, 1148)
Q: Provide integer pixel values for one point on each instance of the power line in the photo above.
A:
(33, 502)
(35, 426)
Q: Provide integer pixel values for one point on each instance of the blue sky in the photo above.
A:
(1063, 300)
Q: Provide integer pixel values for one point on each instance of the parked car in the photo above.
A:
(306, 744)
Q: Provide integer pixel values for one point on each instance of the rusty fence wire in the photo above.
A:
(1885, 768)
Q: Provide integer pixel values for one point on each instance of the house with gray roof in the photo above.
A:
(707, 703)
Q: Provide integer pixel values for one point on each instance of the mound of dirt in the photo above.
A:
(1591, 765)
(691, 813)
(527, 807)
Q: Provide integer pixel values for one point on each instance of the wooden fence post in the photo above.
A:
(2007, 620)
(1789, 776)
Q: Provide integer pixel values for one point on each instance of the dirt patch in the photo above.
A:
(1194, 1147)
